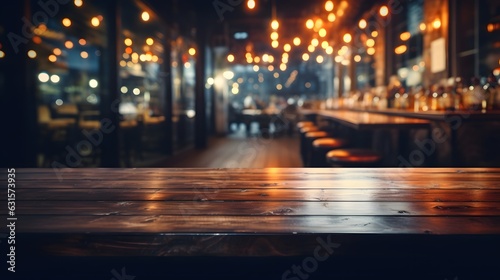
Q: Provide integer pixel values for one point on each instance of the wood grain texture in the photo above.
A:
(114, 212)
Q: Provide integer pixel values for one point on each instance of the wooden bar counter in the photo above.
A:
(257, 223)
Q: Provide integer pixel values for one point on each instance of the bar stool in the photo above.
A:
(303, 146)
(308, 140)
(321, 146)
(304, 124)
(353, 158)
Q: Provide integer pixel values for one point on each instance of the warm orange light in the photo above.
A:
(95, 21)
(375, 34)
(384, 11)
(370, 51)
(145, 16)
(37, 40)
(287, 47)
(32, 54)
(347, 38)
(66, 22)
(305, 57)
(275, 44)
(436, 23)
(84, 54)
(423, 26)
(192, 51)
(150, 41)
(405, 36)
(401, 49)
(128, 42)
(329, 50)
(357, 58)
(68, 44)
(128, 50)
(274, 36)
(362, 24)
(310, 24)
(57, 51)
(329, 6)
(320, 59)
(275, 24)
(52, 58)
(370, 43)
(315, 42)
(78, 3)
(325, 44)
(82, 42)
(297, 41)
(322, 32)
(332, 17)
(230, 58)
(318, 24)
(311, 48)
(251, 4)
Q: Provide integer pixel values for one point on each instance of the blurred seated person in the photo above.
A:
(291, 115)
(234, 115)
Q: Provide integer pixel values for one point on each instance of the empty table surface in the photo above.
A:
(426, 214)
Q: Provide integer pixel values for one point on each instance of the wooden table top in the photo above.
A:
(366, 120)
(125, 211)
(256, 223)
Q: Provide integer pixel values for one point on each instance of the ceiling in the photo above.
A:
(224, 20)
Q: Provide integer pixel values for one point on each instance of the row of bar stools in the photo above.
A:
(353, 158)
(320, 148)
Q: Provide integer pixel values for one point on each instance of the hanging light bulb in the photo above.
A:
(251, 4)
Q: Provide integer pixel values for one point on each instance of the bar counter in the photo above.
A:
(452, 138)
(258, 223)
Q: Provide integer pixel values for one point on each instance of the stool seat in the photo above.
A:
(307, 129)
(321, 146)
(304, 124)
(353, 157)
(316, 134)
(332, 143)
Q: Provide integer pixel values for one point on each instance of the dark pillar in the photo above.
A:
(200, 102)
(110, 156)
(168, 101)
(18, 97)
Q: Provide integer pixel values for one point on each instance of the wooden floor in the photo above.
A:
(238, 150)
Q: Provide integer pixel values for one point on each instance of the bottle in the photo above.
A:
(458, 92)
(434, 98)
(478, 99)
(491, 89)
(448, 99)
